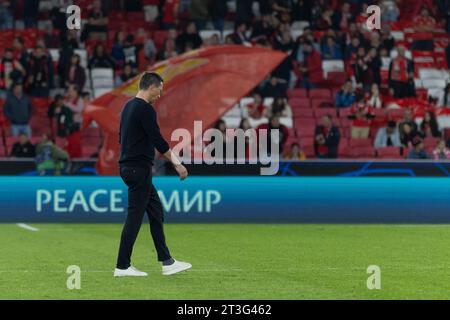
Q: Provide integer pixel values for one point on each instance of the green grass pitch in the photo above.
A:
(230, 261)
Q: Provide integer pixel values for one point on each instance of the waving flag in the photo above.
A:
(199, 85)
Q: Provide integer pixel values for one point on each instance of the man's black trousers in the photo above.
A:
(142, 197)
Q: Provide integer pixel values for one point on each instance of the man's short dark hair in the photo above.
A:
(392, 124)
(150, 79)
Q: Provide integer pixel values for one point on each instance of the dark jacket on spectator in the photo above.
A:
(332, 138)
(26, 150)
(77, 76)
(18, 111)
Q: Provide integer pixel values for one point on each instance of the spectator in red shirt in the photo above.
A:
(401, 75)
(256, 109)
(309, 71)
(424, 25)
(327, 138)
(170, 14)
(361, 115)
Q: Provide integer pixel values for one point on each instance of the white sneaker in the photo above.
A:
(130, 272)
(175, 267)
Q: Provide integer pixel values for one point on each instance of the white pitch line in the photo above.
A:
(27, 227)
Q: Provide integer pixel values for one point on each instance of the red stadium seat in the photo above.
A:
(320, 93)
(305, 131)
(430, 142)
(300, 102)
(343, 148)
(396, 113)
(303, 113)
(362, 152)
(306, 142)
(309, 152)
(297, 93)
(389, 153)
(304, 122)
(322, 103)
(320, 112)
(344, 112)
(361, 142)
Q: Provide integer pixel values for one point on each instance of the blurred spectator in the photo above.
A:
(324, 22)
(374, 100)
(274, 88)
(408, 134)
(331, 50)
(117, 52)
(302, 10)
(21, 52)
(213, 40)
(309, 72)
(346, 96)
(361, 115)
(389, 11)
(6, 14)
(239, 35)
(374, 63)
(257, 109)
(327, 137)
(75, 103)
(51, 38)
(279, 108)
(131, 51)
(362, 72)
(126, 75)
(170, 14)
(408, 119)
(198, 10)
(18, 110)
(100, 58)
(341, 18)
(418, 150)
(294, 153)
(23, 148)
(429, 126)
(388, 136)
(244, 11)
(274, 123)
(63, 117)
(150, 50)
(387, 40)
(263, 28)
(190, 39)
(69, 44)
(75, 73)
(424, 24)
(40, 76)
(10, 71)
(352, 48)
(401, 75)
(50, 159)
(218, 10)
(444, 98)
(96, 27)
(30, 13)
(441, 152)
(168, 49)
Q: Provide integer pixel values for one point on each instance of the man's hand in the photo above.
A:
(182, 171)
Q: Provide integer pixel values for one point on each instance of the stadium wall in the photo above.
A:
(233, 199)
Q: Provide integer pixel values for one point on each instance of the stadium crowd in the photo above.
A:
(343, 91)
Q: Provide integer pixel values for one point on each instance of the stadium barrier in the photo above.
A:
(233, 199)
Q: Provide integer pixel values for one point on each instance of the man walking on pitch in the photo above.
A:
(139, 136)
